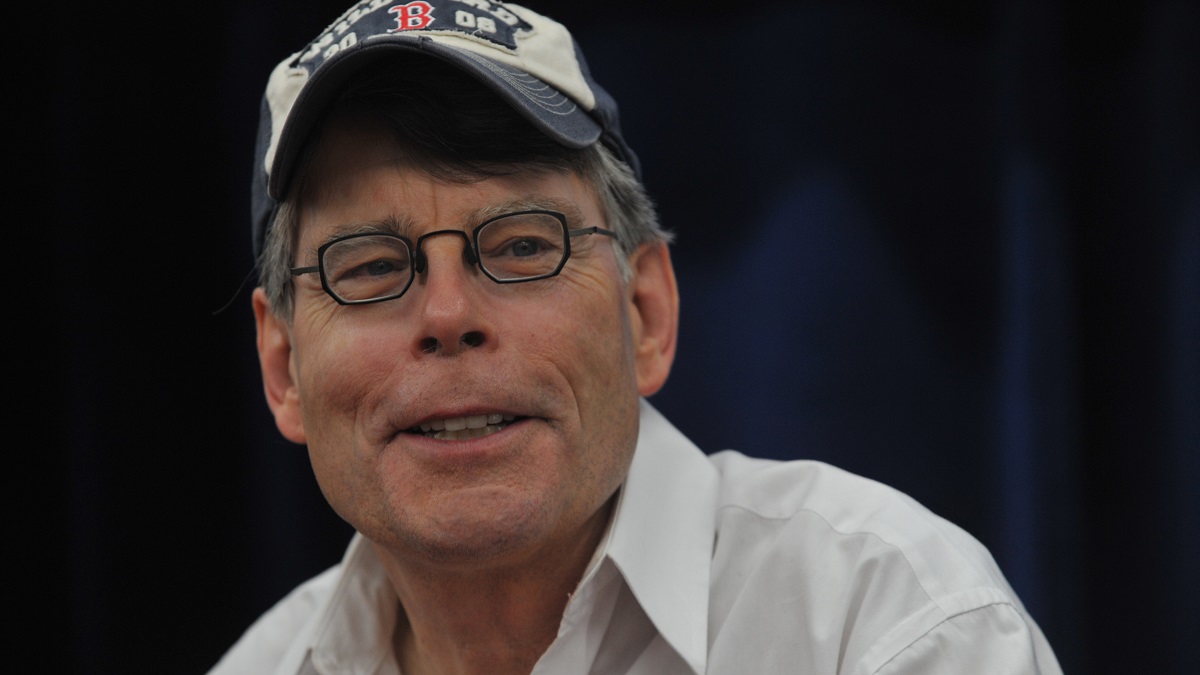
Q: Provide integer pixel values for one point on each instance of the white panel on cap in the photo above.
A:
(283, 87)
(549, 54)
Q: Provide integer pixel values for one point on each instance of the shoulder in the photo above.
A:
(819, 503)
(852, 570)
(281, 630)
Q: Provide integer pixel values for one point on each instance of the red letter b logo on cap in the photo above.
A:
(412, 16)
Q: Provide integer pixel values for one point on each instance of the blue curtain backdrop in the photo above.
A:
(954, 247)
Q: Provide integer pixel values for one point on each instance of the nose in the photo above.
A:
(451, 319)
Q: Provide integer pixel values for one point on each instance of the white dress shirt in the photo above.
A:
(716, 564)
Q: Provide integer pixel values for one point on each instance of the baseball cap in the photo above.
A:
(530, 61)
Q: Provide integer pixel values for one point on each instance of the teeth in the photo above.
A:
(464, 434)
(459, 428)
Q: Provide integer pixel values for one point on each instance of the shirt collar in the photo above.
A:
(355, 631)
(662, 534)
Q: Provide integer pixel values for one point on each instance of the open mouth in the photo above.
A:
(463, 428)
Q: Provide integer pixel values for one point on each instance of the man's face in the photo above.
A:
(558, 359)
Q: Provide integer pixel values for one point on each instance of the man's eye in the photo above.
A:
(526, 247)
(366, 259)
(377, 268)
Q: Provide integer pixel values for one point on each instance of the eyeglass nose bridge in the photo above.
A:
(420, 260)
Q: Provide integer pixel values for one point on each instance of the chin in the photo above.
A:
(476, 529)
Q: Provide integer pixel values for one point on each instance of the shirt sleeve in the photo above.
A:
(990, 640)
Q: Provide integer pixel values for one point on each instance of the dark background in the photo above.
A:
(951, 246)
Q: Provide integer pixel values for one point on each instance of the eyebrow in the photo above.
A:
(405, 225)
(533, 202)
(402, 225)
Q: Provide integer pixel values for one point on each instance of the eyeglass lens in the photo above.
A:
(522, 246)
(367, 267)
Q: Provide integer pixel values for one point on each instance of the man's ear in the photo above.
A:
(654, 303)
(279, 376)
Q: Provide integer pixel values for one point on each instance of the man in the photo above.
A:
(465, 300)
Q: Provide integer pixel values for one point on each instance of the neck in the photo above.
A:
(490, 618)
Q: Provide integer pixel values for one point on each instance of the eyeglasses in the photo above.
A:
(516, 247)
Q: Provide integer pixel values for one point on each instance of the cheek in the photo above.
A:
(590, 346)
(339, 371)
(339, 376)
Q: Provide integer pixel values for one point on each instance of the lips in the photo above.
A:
(462, 428)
